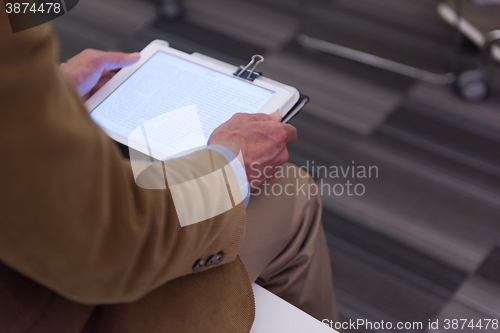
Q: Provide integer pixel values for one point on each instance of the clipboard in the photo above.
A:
(303, 100)
(251, 75)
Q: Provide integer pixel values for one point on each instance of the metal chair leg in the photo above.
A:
(375, 61)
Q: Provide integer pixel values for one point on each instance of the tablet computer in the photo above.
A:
(189, 94)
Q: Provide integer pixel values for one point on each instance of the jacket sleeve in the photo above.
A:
(71, 215)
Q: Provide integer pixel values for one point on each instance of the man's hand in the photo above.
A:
(262, 139)
(91, 69)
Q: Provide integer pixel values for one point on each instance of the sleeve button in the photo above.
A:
(210, 261)
(198, 265)
(218, 258)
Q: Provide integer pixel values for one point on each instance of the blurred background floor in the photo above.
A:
(422, 242)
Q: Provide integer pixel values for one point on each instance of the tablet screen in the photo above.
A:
(167, 83)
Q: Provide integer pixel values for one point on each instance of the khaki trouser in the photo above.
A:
(285, 248)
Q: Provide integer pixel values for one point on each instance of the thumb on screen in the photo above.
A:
(116, 60)
(276, 116)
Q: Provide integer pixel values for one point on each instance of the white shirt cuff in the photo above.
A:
(238, 169)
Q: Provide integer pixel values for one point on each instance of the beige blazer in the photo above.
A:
(82, 247)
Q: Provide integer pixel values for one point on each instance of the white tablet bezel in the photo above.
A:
(283, 99)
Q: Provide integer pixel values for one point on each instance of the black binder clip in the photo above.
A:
(247, 73)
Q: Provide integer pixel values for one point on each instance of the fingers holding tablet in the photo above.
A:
(276, 116)
(90, 68)
(263, 142)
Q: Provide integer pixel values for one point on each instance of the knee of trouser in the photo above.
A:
(291, 172)
(296, 181)
(293, 184)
